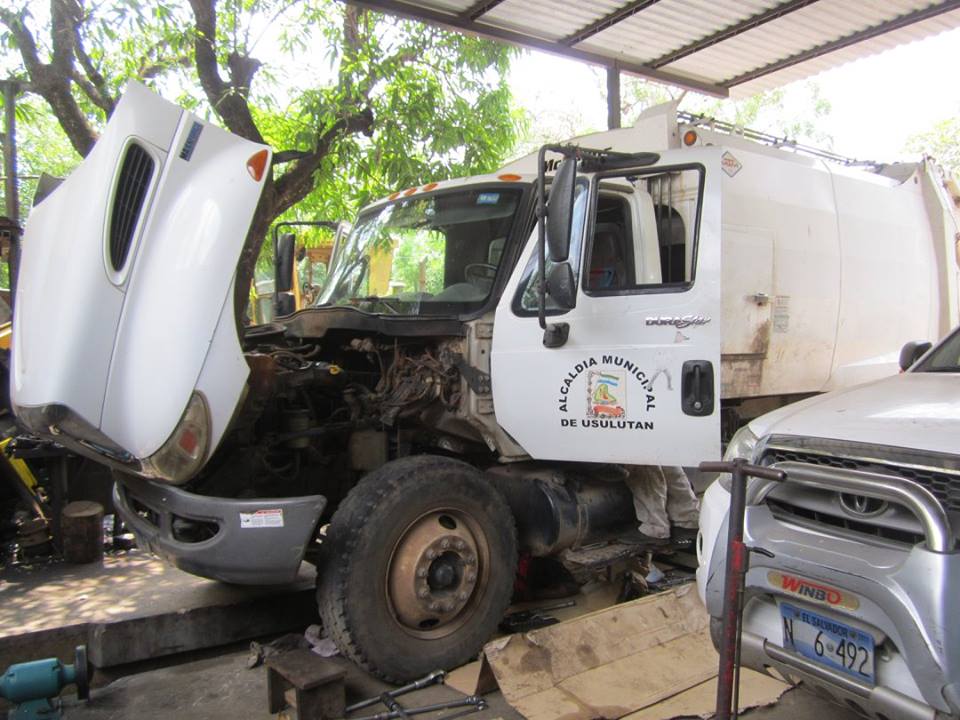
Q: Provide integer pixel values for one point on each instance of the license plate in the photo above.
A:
(828, 642)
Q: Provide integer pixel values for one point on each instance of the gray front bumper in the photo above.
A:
(257, 542)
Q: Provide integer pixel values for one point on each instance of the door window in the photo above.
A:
(644, 234)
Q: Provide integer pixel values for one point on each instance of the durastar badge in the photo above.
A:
(684, 321)
(814, 592)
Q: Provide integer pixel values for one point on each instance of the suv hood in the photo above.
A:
(918, 410)
(124, 304)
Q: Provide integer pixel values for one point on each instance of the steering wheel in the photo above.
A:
(479, 273)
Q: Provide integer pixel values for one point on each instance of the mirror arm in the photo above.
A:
(542, 236)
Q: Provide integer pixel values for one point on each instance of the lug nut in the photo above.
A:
(463, 596)
(423, 592)
(471, 576)
(421, 572)
(435, 606)
(431, 554)
(461, 544)
(445, 544)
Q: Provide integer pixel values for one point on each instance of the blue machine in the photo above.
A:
(34, 687)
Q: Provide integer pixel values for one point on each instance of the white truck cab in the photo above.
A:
(479, 365)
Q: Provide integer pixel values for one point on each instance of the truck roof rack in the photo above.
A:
(772, 140)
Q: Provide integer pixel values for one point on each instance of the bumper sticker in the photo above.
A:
(262, 519)
(814, 592)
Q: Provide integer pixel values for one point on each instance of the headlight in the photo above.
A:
(183, 453)
(742, 445)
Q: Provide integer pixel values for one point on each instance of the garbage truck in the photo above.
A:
(486, 356)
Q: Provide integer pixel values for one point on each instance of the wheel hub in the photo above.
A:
(434, 571)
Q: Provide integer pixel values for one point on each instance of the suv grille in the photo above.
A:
(128, 200)
(792, 511)
(944, 486)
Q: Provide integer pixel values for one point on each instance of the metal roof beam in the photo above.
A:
(852, 39)
(608, 21)
(461, 24)
(479, 8)
(743, 26)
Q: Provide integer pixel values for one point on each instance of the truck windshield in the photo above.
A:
(945, 358)
(426, 255)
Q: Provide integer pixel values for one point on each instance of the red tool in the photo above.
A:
(728, 680)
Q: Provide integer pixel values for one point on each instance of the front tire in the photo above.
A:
(417, 567)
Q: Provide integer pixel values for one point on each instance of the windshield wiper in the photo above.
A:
(943, 369)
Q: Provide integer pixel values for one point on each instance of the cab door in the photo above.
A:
(637, 379)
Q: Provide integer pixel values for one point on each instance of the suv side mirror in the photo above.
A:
(911, 352)
(560, 210)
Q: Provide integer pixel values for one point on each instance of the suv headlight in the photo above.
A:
(182, 455)
(742, 445)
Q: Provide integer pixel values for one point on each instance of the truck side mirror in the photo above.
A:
(555, 218)
(560, 210)
(911, 352)
(562, 286)
(284, 255)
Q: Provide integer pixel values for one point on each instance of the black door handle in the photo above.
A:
(696, 388)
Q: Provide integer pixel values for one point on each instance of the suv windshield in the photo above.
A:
(426, 255)
(946, 358)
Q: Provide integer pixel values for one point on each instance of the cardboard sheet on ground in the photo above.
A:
(620, 660)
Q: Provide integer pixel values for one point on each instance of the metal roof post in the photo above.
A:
(11, 89)
(613, 97)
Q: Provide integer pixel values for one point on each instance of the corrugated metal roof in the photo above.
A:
(724, 47)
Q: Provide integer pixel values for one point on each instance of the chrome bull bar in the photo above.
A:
(937, 530)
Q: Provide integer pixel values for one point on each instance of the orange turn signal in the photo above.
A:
(409, 192)
(690, 138)
(257, 164)
(429, 186)
(509, 177)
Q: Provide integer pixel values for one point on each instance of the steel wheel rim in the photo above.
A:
(437, 573)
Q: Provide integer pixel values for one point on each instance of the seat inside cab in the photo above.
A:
(637, 240)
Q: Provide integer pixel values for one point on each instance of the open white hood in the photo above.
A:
(124, 305)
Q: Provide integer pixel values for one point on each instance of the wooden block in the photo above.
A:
(305, 686)
(82, 527)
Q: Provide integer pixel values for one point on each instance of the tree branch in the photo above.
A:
(92, 92)
(147, 70)
(100, 95)
(297, 182)
(64, 16)
(228, 100)
(51, 81)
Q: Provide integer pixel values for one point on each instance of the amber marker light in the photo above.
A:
(509, 177)
(408, 193)
(393, 195)
(257, 164)
(429, 186)
(689, 138)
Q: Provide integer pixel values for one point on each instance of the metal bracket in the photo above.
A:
(477, 380)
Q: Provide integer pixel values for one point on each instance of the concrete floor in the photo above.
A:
(46, 610)
(127, 585)
(132, 607)
(221, 687)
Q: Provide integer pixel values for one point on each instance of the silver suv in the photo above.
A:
(860, 597)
